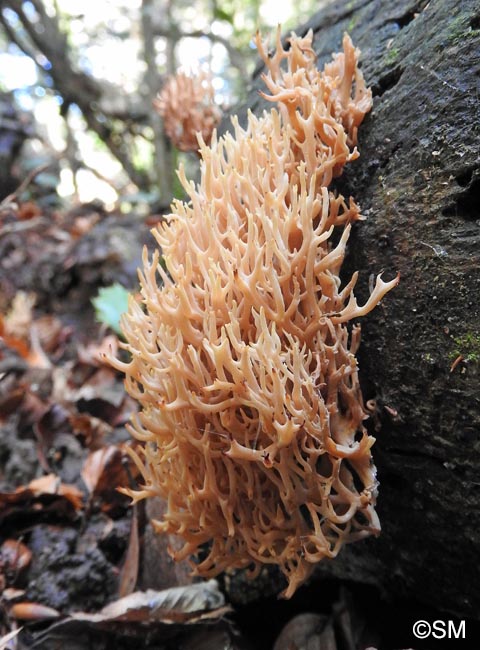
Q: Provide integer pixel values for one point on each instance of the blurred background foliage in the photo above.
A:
(77, 80)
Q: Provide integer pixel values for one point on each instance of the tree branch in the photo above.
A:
(53, 45)
(74, 86)
(15, 38)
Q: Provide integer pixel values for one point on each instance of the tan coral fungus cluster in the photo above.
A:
(251, 418)
(187, 106)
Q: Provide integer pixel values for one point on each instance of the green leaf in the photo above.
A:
(110, 304)
(221, 14)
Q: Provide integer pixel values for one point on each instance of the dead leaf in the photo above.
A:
(28, 210)
(33, 407)
(24, 509)
(37, 357)
(28, 347)
(101, 393)
(51, 484)
(94, 391)
(11, 401)
(14, 557)
(107, 469)
(5, 640)
(89, 429)
(19, 319)
(20, 333)
(10, 594)
(186, 604)
(51, 332)
(44, 492)
(53, 421)
(33, 612)
(13, 342)
(42, 498)
(129, 572)
(147, 610)
(95, 465)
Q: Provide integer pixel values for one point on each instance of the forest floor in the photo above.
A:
(72, 548)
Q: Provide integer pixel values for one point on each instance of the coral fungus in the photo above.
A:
(251, 412)
(188, 107)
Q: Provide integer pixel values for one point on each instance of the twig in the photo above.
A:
(19, 226)
(8, 200)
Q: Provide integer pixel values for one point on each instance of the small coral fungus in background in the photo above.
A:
(187, 106)
(251, 418)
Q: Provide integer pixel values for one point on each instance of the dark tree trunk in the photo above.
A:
(418, 182)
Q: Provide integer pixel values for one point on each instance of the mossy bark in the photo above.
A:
(417, 181)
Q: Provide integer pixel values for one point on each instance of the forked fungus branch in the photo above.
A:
(251, 416)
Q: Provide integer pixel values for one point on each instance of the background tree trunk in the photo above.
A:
(163, 150)
(418, 182)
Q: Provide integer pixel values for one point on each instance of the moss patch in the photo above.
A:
(467, 346)
(392, 55)
(461, 28)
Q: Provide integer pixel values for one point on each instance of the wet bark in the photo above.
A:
(417, 181)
